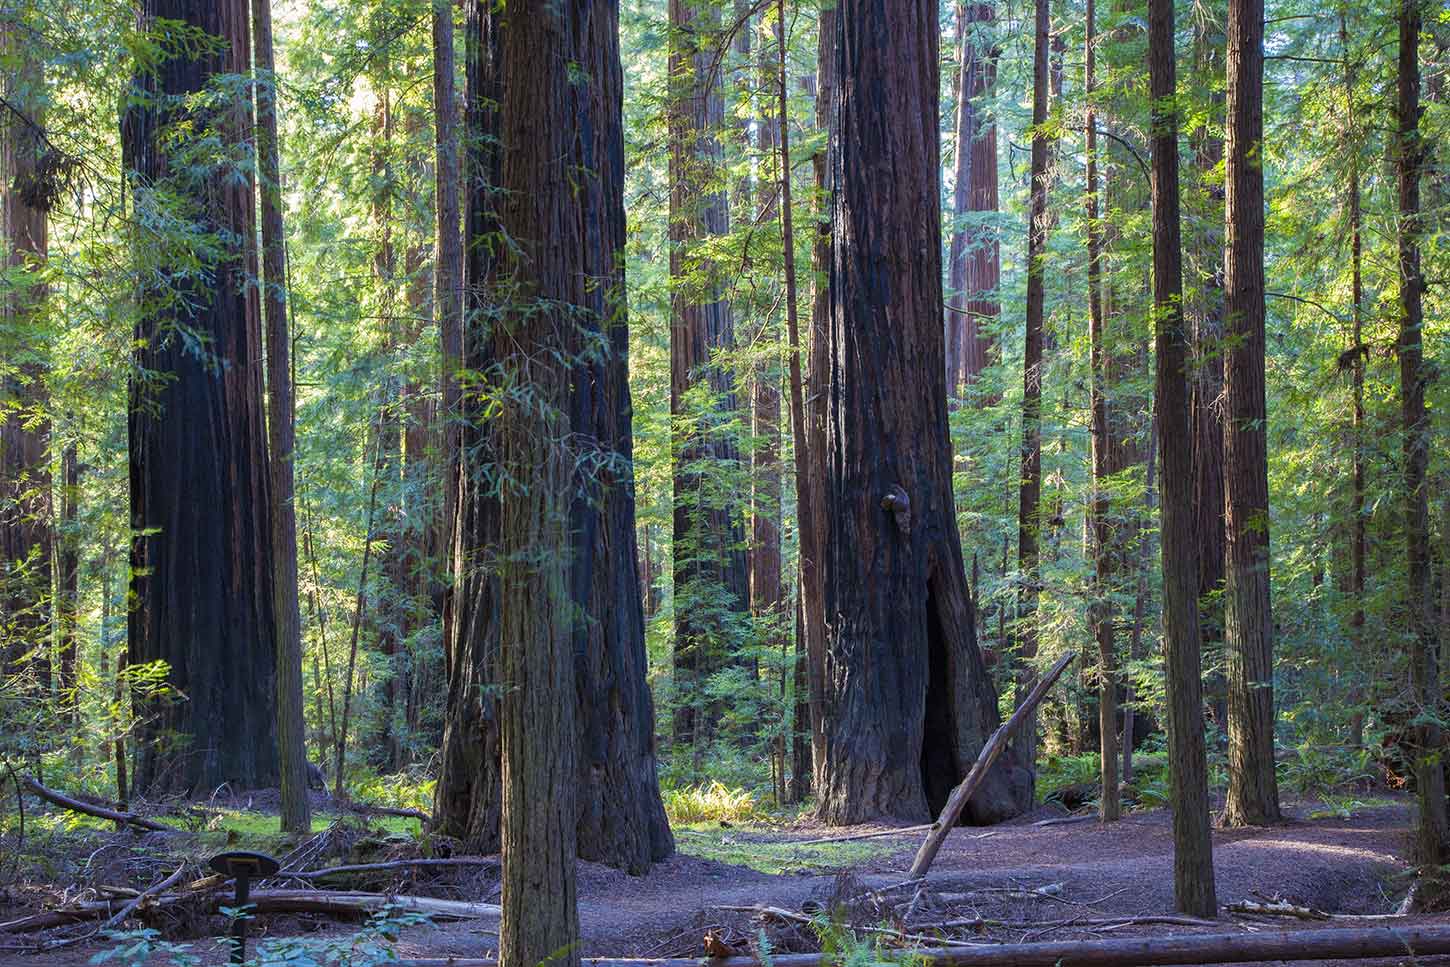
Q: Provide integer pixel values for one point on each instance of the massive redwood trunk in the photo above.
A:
(25, 478)
(621, 818)
(1253, 791)
(201, 557)
(709, 555)
(910, 703)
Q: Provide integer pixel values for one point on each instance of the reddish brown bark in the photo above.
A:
(1193, 884)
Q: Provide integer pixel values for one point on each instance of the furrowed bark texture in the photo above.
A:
(536, 339)
(910, 702)
(1253, 792)
(202, 556)
(1193, 884)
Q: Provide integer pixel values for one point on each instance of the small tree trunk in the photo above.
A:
(291, 723)
(1193, 886)
(1029, 493)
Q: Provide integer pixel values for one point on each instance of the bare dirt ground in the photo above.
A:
(1032, 880)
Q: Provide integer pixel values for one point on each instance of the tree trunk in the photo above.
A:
(26, 540)
(911, 702)
(1029, 492)
(708, 541)
(201, 558)
(1101, 612)
(621, 818)
(974, 262)
(67, 589)
(1205, 308)
(291, 723)
(1431, 834)
(1193, 886)
(812, 406)
(1253, 791)
(544, 281)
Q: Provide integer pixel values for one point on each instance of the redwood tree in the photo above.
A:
(974, 263)
(1193, 886)
(1432, 839)
(1253, 791)
(910, 703)
(201, 555)
(621, 818)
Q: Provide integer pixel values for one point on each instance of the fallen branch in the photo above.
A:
(1280, 908)
(391, 865)
(100, 812)
(269, 901)
(958, 799)
(978, 923)
(1205, 948)
(790, 916)
(849, 837)
(120, 915)
(369, 809)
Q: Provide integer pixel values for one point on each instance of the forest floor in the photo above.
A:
(1037, 882)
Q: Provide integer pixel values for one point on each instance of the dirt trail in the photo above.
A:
(1346, 866)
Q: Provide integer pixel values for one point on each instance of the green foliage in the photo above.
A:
(711, 803)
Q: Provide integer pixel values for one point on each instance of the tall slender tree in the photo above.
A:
(1029, 488)
(711, 578)
(1432, 837)
(281, 437)
(1101, 615)
(201, 557)
(910, 701)
(1193, 884)
(1253, 791)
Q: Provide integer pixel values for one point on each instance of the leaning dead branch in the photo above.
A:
(100, 812)
(454, 861)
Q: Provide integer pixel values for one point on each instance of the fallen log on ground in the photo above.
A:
(390, 865)
(100, 812)
(957, 801)
(371, 810)
(1206, 948)
(266, 901)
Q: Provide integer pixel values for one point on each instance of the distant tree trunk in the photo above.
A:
(26, 537)
(809, 399)
(911, 702)
(1358, 352)
(1101, 612)
(1431, 834)
(806, 511)
(68, 566)
(291, 722)
(1193, 886)
(448, 272)
(620, 817)
(708, 542)
(1206, 307)
(1253, 791)
(1029, 491)
(974, 262)
(201, 559)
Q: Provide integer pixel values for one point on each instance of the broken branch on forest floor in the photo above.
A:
(792, 917)
(100, 812)
(267, 901)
